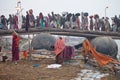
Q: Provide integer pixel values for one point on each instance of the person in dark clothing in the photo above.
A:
(91, 23)
(27, 22)
(62, 21)
(4, 22)
(117, 22)
(4, 58)
(0, 48)
(11, 21)
(23, 21)
(31, 19)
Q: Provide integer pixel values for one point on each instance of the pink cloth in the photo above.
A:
(59, 46)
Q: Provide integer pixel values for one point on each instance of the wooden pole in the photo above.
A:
(30, 57)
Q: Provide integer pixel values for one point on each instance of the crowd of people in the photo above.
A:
(82, 21)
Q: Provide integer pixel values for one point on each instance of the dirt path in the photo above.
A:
(24, 70)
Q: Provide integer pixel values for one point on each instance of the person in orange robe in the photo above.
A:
(15, 47)
(59, 48)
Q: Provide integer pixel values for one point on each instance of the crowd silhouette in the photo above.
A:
(82, 21)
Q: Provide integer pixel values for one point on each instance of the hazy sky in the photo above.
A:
(58, 6)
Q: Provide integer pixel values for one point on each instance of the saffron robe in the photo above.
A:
(15, 47)
(101, 59)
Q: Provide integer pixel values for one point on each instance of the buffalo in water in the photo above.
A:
(105, 45)
(43, 41)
